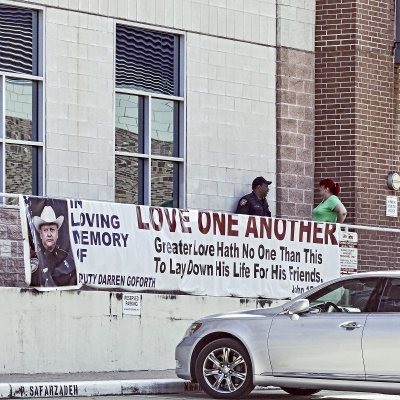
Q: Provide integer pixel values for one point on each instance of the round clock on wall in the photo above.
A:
(393, 181)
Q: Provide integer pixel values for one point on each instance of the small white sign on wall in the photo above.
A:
(391, 206)
(348, 245)
(131, 304)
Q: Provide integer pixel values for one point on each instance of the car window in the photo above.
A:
(390, 300)
(353, 295)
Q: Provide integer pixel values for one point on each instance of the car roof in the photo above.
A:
(395, 273)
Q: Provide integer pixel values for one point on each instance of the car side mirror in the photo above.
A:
(298, 307)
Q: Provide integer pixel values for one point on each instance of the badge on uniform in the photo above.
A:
(34, 265)
(243, 202)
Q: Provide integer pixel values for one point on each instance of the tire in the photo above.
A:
(223, 369)
(300, 392)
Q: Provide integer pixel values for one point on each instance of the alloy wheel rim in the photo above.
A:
(224, 370)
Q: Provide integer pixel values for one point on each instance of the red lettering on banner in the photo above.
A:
(219, 220)
(226, 225)
(141, 224)
(204, 229)
(330, 230)
(305, 227)
(317, 229)
(232, 221)
(184, 218)
(171, 222)
(157, 227)
(292, 226)
(158, 222)
(251, 227)
(265, 226)
(307, 231)
(280, 236)
(223, 224)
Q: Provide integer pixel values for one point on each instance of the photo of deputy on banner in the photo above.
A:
(51, 258)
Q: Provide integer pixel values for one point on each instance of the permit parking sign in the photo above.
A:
(348, 245)
(131, 304)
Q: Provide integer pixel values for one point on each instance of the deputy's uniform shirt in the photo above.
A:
(251, 205)
(54, 268)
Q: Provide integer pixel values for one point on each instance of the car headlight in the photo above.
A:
(192, 329)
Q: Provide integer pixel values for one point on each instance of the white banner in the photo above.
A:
(141, 248)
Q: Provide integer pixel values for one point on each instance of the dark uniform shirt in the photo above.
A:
(54, 268)
(251, 205)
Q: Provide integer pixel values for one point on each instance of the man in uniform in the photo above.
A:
(56, 265)
(255, 203)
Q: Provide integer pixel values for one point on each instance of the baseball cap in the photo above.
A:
(259, 181)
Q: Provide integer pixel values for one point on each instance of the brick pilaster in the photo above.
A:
(295, 133)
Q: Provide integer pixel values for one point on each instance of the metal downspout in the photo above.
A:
(397, 34)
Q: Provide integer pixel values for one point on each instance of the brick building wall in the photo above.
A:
(295, 133)
(356, 139)
(335, 98)
(11, 249)
(377, 142)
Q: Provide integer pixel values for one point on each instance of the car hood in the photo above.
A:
(255, 313)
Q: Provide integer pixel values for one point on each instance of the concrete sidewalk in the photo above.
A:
(93, 384)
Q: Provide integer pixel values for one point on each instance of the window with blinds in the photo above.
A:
(149, 133)
(21, 82)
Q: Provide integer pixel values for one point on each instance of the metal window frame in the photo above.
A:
(38, 145)
(146, 156)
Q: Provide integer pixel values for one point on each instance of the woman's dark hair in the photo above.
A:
(333, 187)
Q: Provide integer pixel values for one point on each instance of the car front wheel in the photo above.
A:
(300, 392)
(223, 369)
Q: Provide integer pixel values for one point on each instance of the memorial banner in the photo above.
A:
(70, 243)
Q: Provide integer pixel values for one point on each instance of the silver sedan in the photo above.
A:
(341, 335)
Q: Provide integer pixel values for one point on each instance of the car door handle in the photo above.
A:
(350, 325)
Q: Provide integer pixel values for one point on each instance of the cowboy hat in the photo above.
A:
(48, 216)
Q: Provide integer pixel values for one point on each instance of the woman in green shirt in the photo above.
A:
(331, 208)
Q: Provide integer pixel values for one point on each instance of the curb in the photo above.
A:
(95, 388)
